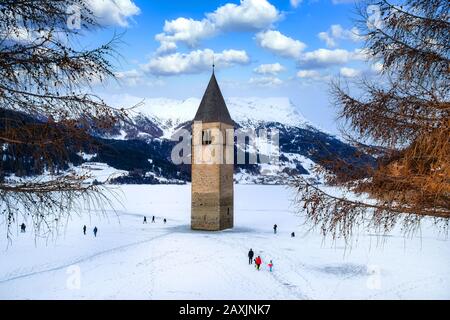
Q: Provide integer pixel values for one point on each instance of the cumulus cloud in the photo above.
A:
(184, 30)
(279, 44)
(295, 3)
(130, 77)
(329, 40)
(113, 12)
(273, 69)
(336, 32)
(313, 75)
(362, 54)
(308, 74)
(322, 58)
(349, 72)
(166, 47)
(377, 67)
(195, 62)
(134, 77)
(266, 81)
(246, 16)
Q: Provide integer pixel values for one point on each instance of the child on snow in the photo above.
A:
(270, 265)
(258, 263)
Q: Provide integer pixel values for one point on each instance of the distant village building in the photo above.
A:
(212, 162)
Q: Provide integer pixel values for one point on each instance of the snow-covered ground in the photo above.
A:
(131, 260)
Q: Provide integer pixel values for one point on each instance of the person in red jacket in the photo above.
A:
(258, 262)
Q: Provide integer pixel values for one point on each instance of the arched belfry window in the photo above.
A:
(206, 137)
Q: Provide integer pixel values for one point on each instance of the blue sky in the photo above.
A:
(261, 48)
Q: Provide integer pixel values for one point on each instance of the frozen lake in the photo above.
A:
(132, 260)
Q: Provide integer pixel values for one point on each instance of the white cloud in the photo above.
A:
(362, 54)
(377, 67)
(321, 58)
(130, 77)
(325, 57)
(195, 62)
(184, 30)
(273, 69)
(280, 44)
(166, 47)
(248, 15)
(113, 12)
(349, 72)
(126, 74)
(135, 77)
(336, 32)
(308, 74)
(313, 75)
(266, 81)
(295, 3)
(329, 40)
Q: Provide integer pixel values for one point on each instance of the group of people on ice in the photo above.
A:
(95, 230)
(275, 228)
(258, 261)
(153, 220)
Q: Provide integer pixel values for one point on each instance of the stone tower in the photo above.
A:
(212, 162)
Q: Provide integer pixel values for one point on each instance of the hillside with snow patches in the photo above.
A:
(138, 149)
(155, 120)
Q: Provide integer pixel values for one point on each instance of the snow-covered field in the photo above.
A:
(130, 260)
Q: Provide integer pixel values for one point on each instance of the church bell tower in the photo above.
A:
(212, 162)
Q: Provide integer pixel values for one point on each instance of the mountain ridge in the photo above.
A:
(141, 146)
(301, 143)
(245, 111)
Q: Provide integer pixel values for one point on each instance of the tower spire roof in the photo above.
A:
(212, 107)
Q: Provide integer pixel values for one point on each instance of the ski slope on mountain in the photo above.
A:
(132, 260)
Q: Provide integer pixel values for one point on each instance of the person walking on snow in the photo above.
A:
(270, 265)
(23, 227)
(258, 262)
(95, 232)
(250, 256)
(145, 220)
(84, 229)
(165, 220)
(153, 219)
(275, 229)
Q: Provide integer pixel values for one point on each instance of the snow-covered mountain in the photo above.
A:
(153, 121)
(170, 114)
(140, 147)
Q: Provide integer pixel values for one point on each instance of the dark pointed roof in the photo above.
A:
(213, 107)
